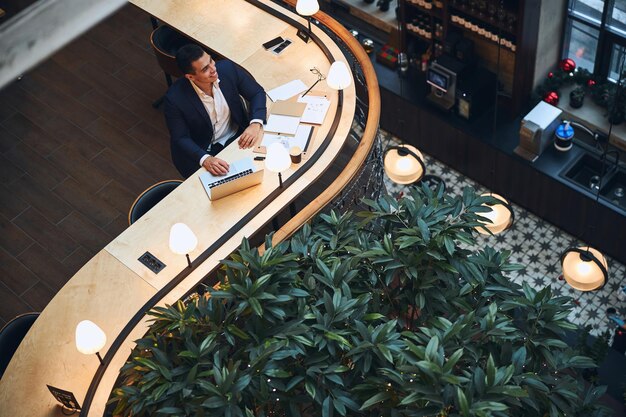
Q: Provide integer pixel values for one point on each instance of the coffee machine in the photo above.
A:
(442, 76)
(537, 130)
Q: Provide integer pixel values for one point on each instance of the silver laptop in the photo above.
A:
(241, 174)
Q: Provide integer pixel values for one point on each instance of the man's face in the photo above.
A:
(204, 70)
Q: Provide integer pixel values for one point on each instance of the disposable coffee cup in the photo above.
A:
(296, 154)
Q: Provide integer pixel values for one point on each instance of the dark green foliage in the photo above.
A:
(385, 314)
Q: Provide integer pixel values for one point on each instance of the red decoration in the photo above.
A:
(551, 98)
(591, 83)
(550, 74)
(567, 65)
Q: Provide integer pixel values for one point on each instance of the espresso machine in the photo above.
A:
(537, 130)
(442, 77)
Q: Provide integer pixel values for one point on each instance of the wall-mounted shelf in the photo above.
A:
(496, 29)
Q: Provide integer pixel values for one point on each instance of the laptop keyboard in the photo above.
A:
(231, 178)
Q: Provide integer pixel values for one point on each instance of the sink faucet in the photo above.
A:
(593, 134)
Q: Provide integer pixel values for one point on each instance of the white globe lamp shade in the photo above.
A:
(585, 268)
(277, 158)
(501, 216)
(402, 167)
(338, 76)
(182, 239)
(307, 7)
(89, 337)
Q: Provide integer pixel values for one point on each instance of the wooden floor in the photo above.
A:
(79, 140)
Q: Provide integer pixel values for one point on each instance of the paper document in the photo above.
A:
(277, 123)
(316, 109)
(234, 168)
(300, 139)
(286, 91)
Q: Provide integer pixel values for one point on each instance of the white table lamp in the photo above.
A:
(90, 338)
(277, 159)
(182, 240)
(306, 8)
(338, 76)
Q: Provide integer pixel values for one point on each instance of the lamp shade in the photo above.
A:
(585, 269)
(338, 76)
(182, 239)
(402, 165)
(277, 158)
(307, 7)
(89, 337)
(501, 216)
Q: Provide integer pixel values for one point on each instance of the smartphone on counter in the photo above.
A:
(273, 43)
(281, 47)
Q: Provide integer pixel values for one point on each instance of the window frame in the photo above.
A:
(607, 37)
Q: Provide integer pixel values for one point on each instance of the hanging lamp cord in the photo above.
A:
(605, 151)
(495, 108)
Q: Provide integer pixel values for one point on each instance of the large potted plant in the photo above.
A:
(384, 314)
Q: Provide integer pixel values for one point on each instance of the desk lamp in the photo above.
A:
(306, 8)
(404, 164)
(90, 338)
(338, 76)
(277, 160)
(182, 240)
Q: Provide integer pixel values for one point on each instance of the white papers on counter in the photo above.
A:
(300, 139)
(278, 123)
(316, 109)
(286, 91)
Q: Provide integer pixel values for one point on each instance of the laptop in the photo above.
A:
(241, 174)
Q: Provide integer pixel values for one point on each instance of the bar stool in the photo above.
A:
(11, 336)
(149, 198)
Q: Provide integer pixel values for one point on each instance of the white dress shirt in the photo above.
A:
(219, 113)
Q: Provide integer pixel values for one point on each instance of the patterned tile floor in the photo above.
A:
(538, 245)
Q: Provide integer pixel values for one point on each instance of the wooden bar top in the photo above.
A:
(113, 287)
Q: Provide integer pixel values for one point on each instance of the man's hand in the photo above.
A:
(250, 136)
(215, 165)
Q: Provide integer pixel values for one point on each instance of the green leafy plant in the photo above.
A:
(385, 313)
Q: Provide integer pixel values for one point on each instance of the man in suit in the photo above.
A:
(204, 112)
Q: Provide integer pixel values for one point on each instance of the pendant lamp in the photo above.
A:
(501, 216)
(404, 164)
(584, 268)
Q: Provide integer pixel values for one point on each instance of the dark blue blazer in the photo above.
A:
(191, 130)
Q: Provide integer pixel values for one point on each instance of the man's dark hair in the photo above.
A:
(186, 55)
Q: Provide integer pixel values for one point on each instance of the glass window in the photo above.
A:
(617, 20)
(617, 57)
(595, 36)
(583, 45)
(590, 9)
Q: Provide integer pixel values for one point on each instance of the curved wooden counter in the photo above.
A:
(113, 289)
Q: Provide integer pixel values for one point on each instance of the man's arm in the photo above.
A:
(252, 91)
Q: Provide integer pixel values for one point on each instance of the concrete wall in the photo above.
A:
(550, 37)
